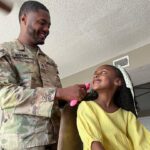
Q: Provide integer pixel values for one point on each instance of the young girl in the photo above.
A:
(109, 122)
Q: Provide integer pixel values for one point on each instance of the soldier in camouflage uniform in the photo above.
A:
(30, 87)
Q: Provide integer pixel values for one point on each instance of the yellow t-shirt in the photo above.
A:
(119, 130)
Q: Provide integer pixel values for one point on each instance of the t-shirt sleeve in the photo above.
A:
(139, 135)
(88, 126)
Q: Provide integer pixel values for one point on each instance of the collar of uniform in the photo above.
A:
(40, 52)
(18, 45)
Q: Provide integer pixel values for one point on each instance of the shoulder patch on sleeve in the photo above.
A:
(4, 48)
(2, 52)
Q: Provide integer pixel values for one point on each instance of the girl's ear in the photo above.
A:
(118, 82)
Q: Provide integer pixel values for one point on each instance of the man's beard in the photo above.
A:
(34, 36)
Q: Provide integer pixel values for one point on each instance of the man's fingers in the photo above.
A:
(82, 86)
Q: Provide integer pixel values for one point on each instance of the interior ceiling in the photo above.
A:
(85, 33)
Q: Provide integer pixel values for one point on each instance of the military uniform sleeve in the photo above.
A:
(88, 126)
(139, 135)
(22, 100)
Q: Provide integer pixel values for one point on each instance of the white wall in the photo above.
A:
(138, 69)
(145, 121)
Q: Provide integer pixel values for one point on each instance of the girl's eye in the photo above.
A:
(103, 72)
(97, 74)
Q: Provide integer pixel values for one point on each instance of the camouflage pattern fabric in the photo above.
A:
(29, 115)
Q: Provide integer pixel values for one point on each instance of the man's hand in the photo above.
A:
(77, 92)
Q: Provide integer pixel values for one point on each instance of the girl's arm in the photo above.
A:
(97, 146)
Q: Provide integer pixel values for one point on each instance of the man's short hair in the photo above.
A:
(29, 6)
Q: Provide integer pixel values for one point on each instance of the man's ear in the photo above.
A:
(23, 19)
(118, 82)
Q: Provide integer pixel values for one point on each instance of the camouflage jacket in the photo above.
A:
(29, 115)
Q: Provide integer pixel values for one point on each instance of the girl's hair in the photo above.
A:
(123, 97)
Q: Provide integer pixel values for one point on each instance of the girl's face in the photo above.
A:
(105, 77)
